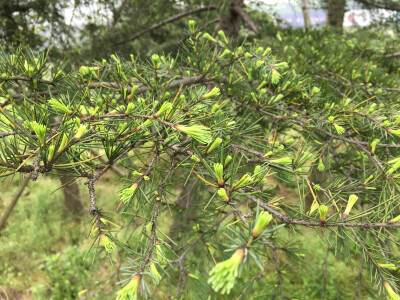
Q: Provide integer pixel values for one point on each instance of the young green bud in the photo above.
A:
(249, 74)
(199, 133)
(282, 64)
(339, 129)
(160, 254)
(145, 124)
(368, 179)
(215, 108)
(195, 158)
(257, 169)
(392, 294)
(50, 154)
(136, 173)
(209, 37)
(227, 160)
(154, 271)
(260, 63)
(133, 90)
(223, 195)
(269, 153)
(219, 173)
(40, 131)
(286, 85)
(394, 167)
(221, 33)
(388, 266)
(315, 91)
(165, 107)
(84, 70)
(350, 203)
(29, 68)
(130, 291)
(191, 26)
(64, 143)
(59, 106)
(396, 132)
(253, 96)
(214, 145)
(282, 161)
(313, 208)
(395, 220)
(156, 61)
(126, 194)
(223, 275)
(214, 92)
(122, 127)
(264, 218)
(77, 122)
(242, 181)
(115, 59)
(129, 108)
(323, 210)
(276, 98)
(81, 131)
(373, 146)
(275, 76)
(321, 166)
(268, 50)
(108, 244)
(259, 50)
(225, 53)
(289, 141)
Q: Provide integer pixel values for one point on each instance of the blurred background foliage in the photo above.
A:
(44, 243)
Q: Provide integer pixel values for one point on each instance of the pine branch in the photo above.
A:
(169, 20)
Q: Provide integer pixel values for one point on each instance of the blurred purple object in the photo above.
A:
(318, 19)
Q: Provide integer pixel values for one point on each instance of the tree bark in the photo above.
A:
(71, 195)
(230, 23)
(10, 208)
(306, 14)
(335, 13)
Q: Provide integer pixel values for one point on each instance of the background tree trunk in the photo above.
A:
(306, 13)
(230, 23)
(71, 195)
(335, 13)
(10, 208)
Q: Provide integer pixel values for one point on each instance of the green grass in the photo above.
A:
(43, 247)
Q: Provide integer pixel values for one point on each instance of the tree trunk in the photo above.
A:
(71, 191)
(335, 13)
(71, 195)
(10, 208)
(230, 23)
(306, 14)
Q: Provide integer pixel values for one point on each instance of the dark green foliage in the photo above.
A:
(305, 119)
